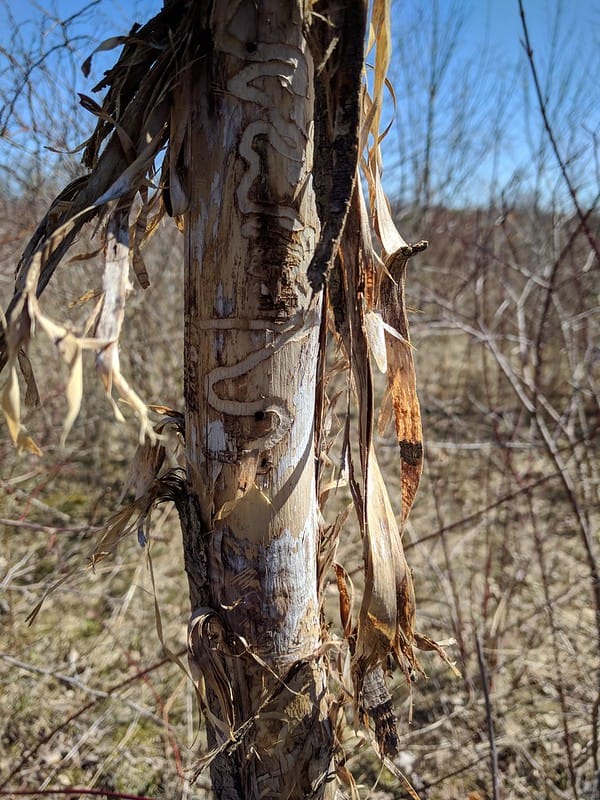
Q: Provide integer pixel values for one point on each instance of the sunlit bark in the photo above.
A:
(251, 344)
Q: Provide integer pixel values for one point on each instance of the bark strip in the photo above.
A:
(251, 345)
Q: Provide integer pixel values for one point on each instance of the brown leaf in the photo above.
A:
(402, 383)
(206, 645)
(343, 579)
(11, 407)
(107, 44)
(145, 468)
(32, 395)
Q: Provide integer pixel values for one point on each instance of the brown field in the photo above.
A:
(503, 537)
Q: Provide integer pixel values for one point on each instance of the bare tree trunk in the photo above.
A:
(222, 95)
(251, 523)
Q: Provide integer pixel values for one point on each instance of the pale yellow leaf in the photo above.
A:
(11, 407)
(74, 387)
(11, 404)
(376, 338)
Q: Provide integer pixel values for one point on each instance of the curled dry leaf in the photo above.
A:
(11, 407)
(147, 462)
(137, 237)
(107, 44)
(17, 338)
(32, 394)
(376, 336)
(343, 580)
(401, 378)
(136, 514)
(206, 646)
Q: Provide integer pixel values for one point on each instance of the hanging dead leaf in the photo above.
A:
(32, 395)
(207, 645)
(345, 594)
(11, 407)
(146, 465)
(91, 294)
(107, 44)
(402, 383)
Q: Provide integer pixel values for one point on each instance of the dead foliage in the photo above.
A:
(134, 160)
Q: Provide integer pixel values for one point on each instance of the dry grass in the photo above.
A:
(87, 695)
(503, 538)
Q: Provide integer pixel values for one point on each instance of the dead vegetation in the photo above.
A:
(496, 544)
(502, 540)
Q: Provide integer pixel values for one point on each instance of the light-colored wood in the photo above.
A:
(251, 344)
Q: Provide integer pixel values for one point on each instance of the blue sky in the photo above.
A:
(497, 23)
(486, 83)
(488, 132)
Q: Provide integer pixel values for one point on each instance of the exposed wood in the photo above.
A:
(251, 344)
(255, 113)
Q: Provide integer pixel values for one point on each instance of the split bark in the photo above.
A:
(251, 521)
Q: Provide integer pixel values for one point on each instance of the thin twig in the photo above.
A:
(551, 137)
(109, 693)
(75, 682)
(459, 523)
(37, 526)
(550, 289)
(489, 719)
(559, 682)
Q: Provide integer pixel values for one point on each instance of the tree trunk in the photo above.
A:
(222, 94)
(251, 524)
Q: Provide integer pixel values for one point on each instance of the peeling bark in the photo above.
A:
(250, 521)
(261, 177)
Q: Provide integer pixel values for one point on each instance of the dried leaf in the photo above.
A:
(91, 294)
(146, 465)
(72, 354)
(129, 180)
(180, 109)
(376, 336)
(380, 35)
(343, 579)
(107, 44)
(386, 621)
(164, 410)
(90, 105)
(425, 643)
(11, 407)
(70, 348)
(406, 784)
(402, 383)
(137, 235)
(139, 268)
(30, 618)
(118, 527)
(386, 616)
(32, 395)
(391, 240)
(159, 627)
(206, 642)
(84, 257)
